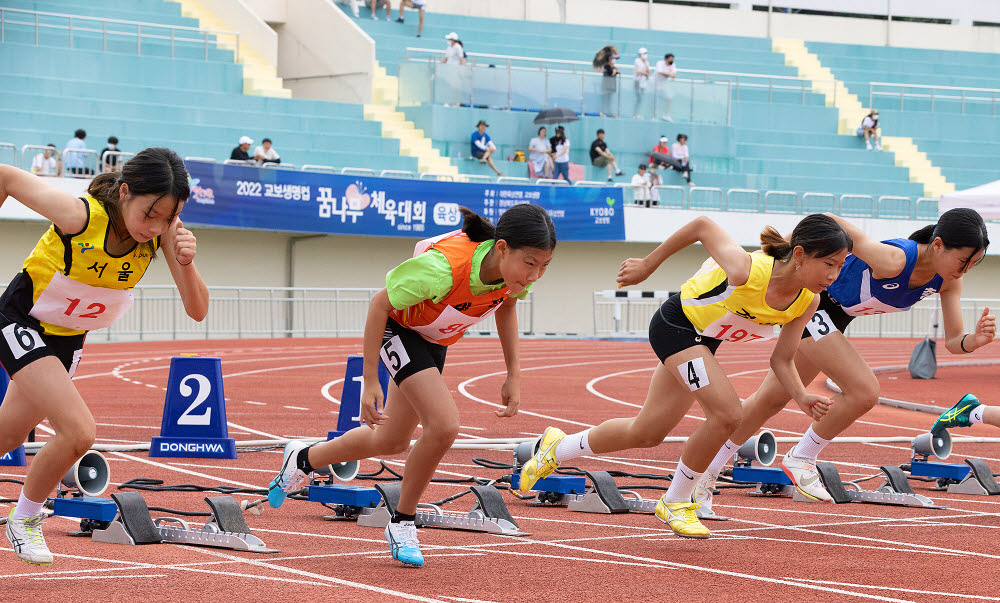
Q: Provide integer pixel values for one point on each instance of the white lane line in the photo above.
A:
(255, 403)
(189, 472)
(112, 577)
(897, 588)
(296, 407)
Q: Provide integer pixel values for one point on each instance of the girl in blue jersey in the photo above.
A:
(880, 277)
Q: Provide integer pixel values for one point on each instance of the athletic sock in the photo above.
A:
(26, 508)
(976, 416)
(398, 517)
(809, 446)
(682, 486)
(574, 445)
(302, 461)
(725, 455)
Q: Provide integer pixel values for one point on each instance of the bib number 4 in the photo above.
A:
(693, 373)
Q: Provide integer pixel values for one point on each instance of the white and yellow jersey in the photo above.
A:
(75, 285)
(723, 311)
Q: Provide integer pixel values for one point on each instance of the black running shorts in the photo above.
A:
(405, 352)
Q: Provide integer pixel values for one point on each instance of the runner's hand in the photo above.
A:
(986, 329)
(372, 405)
(510, 395)
(632, 272)
(814, 405)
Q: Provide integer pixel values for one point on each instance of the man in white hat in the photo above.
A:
(640, 78)
(240, 152)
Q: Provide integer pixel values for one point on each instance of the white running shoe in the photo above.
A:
(868, 146)
(703, 492)
(290, 478)
(805, 478)
(25, 535)
(403, 543)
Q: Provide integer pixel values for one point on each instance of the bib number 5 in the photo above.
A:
(394, 355)
(22, 340)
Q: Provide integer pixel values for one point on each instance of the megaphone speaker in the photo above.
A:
(761, 448)
(938, 444)
(90, 475)
(523, 453)
(344, 472)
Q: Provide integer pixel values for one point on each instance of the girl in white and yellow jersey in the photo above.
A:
(78, 278)
(737, 297)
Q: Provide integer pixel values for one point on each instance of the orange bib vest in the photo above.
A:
(445, 322)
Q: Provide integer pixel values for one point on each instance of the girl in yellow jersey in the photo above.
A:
(736, 297)
(78, 279)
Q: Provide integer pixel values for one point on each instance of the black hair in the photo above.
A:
(266, 140)
(642, 166)
(155, 171)
(113, 139)
(958, 227)
(679, 136)
(819, 235)
(523, 225)
(80, 133)
(540, 128)
(51, 145)
(667, 56)
(600, 130)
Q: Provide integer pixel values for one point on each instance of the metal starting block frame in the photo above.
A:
(770, 481)
(604, 496)
(489, 514)
(225, 529)
(979, 481)
(894, 490)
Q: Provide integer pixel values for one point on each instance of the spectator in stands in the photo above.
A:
(604, 61)
(600, 156)
(655, 180)
(420, 6)
(869, 130)
(265, 153)
(640, 79)
(109, 163)
(665, 71)
(660, 155)
(388, 9)
(75, 161)
(455, 53)
(47, 162)
(640, 186)
(240, 152)
(483, 147)
(539, 151)
(681, 157)
(560, 154)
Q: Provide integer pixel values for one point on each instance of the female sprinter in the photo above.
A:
(78, 279)
(453, 282)
(881, 277)
(738, 297)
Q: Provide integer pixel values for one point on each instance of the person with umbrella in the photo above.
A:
(560, 154)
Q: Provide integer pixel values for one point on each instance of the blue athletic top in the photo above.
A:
(861, 294)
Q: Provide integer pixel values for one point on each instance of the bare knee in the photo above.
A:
(644, 437)
(864, 396)
(80, 438)
(9, 442)
(728, 421)
(443, 432)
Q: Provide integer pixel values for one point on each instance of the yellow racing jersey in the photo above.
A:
(737, 313)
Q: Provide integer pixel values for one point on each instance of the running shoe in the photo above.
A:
(702, 496)
(290, 477)
(957, 415)
(805, 478)
(25, 535)
(544, 462)
(682, 517)
(403, 543)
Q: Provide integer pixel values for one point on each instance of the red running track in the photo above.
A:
(772, 549)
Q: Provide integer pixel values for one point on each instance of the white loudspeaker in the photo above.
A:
(523, 453)
(344, 472)
(90, 475)
(761, 448)
(938, 444)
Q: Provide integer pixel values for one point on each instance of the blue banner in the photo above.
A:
(311, 202)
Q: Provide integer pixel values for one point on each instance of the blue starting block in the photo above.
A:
(948, 471)
(86, 507)
(769, 480)
(344, 494)
(14, 458)
(557, 484)
(194, 413)
(349, 416)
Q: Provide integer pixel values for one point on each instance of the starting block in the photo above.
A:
(604, 496)
(979, 480)
(347, 501)
(133, 525)
(489, 515)
(14, 458)
(194, 413)
(349, 416)
(895, 490)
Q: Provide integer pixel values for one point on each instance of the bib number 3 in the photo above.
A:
(693, 373)
(22, 340)
(820, 325)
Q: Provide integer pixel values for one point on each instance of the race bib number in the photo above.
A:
(77, 356)
(733, 328)
(693, 373)
(22, 340)
(394, 355)
(450, 322)
(820, 325)
(871, 307)
(74, 305)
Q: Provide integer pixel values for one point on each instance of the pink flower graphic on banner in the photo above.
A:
(356, 198)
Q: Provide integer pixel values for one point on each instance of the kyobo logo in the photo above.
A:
(447, 214)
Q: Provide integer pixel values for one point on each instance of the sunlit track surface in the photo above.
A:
(772, 548)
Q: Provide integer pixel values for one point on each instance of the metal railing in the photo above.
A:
(30, 151)
(77, 24)
(243, 312)
(927, 97)
(629, 316)
(8, 154)
(80, 163)
(112, 161)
